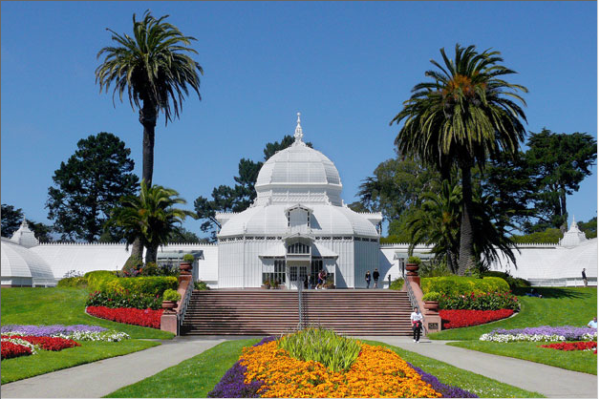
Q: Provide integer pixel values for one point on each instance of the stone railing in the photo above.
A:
(432, 319)
(171, 320)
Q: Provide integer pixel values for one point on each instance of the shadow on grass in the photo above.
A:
(551, 292)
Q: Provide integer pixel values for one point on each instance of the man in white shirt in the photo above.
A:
(416, 319)
(593, 323)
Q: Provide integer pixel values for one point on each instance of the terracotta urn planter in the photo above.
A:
(169, 306)
(412, 269)
(185, 268)
(431, 307)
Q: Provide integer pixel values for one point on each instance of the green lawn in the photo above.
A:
(583, 361)
(197, 376)
(46, 361)
(46, 306)
(192, 378)
(558, 307)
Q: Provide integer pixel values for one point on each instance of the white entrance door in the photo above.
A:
(297, 275)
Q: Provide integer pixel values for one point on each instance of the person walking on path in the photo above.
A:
(416, 319)
(375, 277)
(584, 277)
(368, 278)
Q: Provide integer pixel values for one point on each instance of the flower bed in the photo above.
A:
(78, 332)
(11, 350)
(542, 334)
(573, 346)
(466, 318)
(46, 343)
(138, 317)
(268, 371)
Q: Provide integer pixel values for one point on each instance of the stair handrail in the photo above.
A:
(185, 300)
(300, 285)
(414, 303)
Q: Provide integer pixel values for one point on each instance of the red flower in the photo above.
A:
(573, 346)
(10, 350)
(138, 317)
(466, 318)
(47, 343)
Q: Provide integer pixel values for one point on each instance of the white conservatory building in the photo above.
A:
(297, 226)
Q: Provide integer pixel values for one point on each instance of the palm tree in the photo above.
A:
(464, 115)
(155, 70)
(151, 217)
(437, 222)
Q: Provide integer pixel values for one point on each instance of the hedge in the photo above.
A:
(105, 281)
(513, 282)
(72, 282)
(455, 285)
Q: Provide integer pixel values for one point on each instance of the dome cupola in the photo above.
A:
(298, 174)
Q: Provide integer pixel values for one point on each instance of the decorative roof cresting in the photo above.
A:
(298, 133)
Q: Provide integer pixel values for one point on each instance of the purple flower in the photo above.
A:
(448, 391)
(47, 331)
(232, 384)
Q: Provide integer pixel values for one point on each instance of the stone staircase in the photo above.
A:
(266, 312)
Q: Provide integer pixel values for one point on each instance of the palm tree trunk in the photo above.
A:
(148, 115)
(151, 254)
(465, 257)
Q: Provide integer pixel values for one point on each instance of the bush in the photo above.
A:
(414, 259)
(455, 285)
(151, 269)
(513, 282)
(397, 284)
(201, 286)
(153, 285)
(98, 280)
(434, 269)
(432, 296)
(171, 295)
(484, 301)
(324, 346)
(123, 300)
(189, 258)
(72, 282)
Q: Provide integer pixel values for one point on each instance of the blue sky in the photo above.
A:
(347, 67)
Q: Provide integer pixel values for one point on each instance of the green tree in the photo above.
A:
(465, 114)
(151, 217)
(590, 228)
(561, 161)
(239, 197)
(396, 186)
(184, 236)
(154, 69)
(12, 218)
(89, 185)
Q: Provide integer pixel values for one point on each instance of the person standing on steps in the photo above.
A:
(368, 278)
(375, 277)
(416, 319)
(584, 276)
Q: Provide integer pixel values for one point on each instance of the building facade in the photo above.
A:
(297, 226)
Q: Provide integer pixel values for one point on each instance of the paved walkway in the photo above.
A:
(84, 382)
(95, 380)
(552, 382)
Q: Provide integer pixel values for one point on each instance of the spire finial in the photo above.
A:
(298, 133)
(24, 223)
